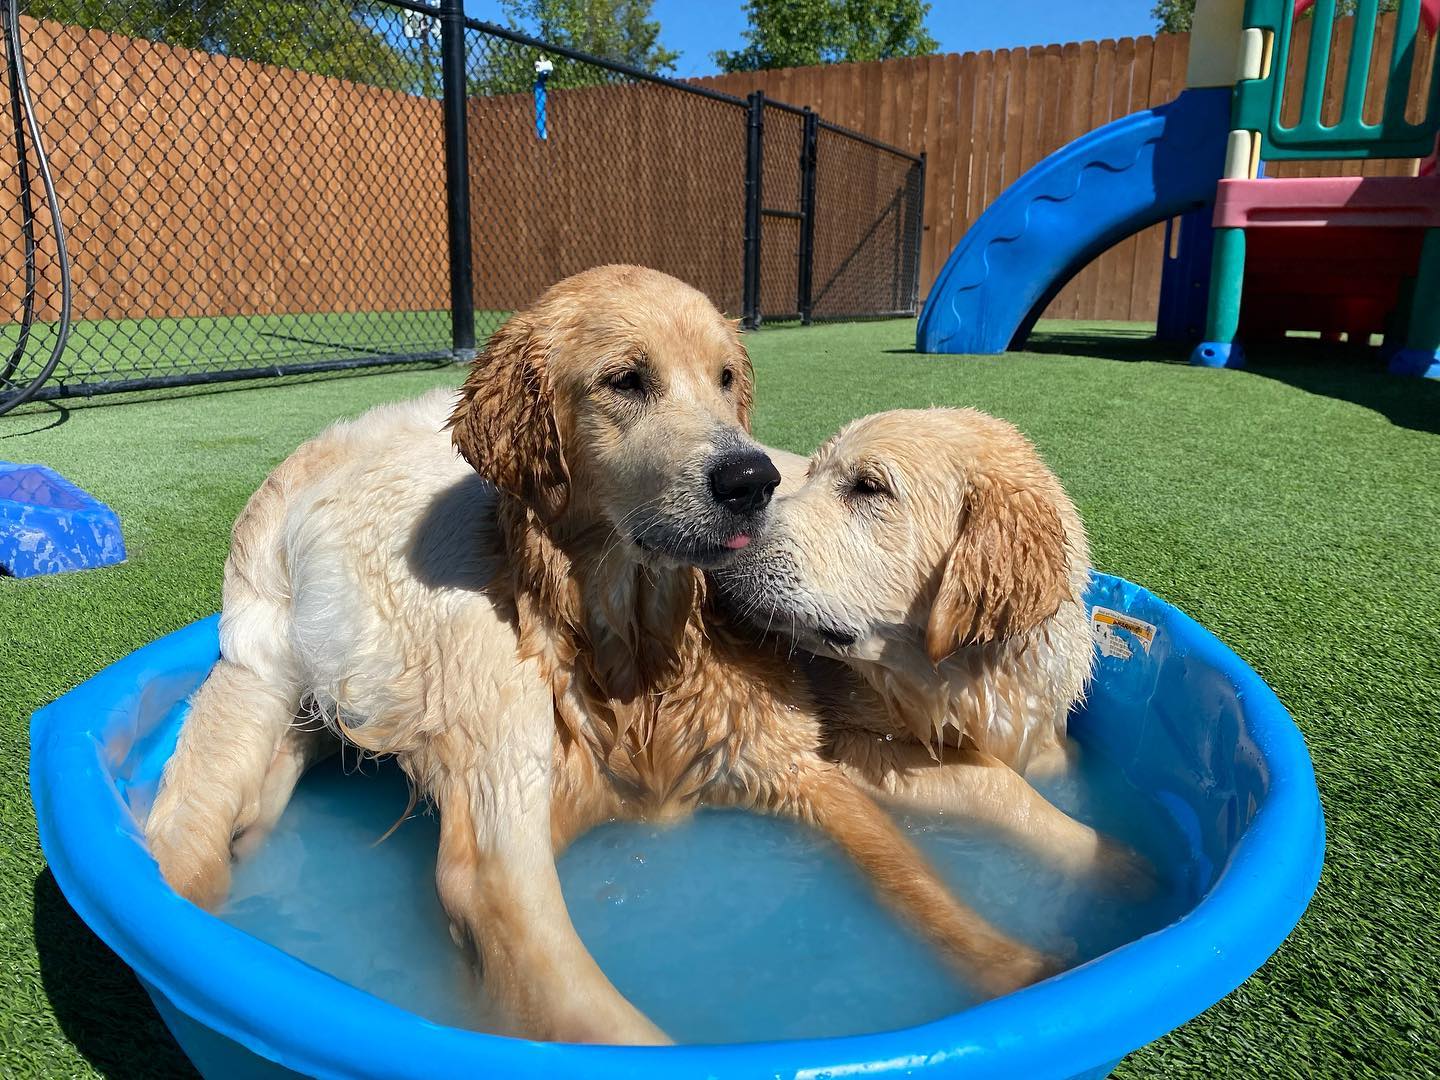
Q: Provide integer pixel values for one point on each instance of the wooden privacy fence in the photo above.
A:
(212, 186)
(392, 191)
(983, 118)
(630, 173)
(200, 185)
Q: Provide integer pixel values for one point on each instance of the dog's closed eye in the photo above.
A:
(867, 487)
(628, 381)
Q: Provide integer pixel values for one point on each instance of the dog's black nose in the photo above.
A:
(743, 482)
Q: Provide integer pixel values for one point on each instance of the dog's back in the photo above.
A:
(363, 553)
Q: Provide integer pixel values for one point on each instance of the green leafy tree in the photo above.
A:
(1177, 16)
(798, 33)
(615, 29)
(620, 30)
(346, 39)
(1173, 16)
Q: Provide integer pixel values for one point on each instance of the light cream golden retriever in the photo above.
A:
(532, 640)
(936, 555)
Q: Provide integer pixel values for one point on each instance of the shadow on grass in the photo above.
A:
(99, 1003)
(1405, 402)
(1110, 343)
(1106, 343)
(1345, 374)
(81, 402)
(61, 416)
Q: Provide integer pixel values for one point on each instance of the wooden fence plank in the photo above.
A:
(952, 137)
(1085, 77)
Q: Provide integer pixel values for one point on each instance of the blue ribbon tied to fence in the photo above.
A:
(543, 68)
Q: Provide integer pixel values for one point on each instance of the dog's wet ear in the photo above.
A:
(1006, 573)
(505, 425)
(744, 385)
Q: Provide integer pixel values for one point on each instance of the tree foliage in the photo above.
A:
(1173, 16)
(620, 30)
(362, 40)
(341, 38)
(1177, 16)
(615, 29)
(798, 33)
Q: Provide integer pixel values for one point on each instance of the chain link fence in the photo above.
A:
(262, 187)
(868, 202)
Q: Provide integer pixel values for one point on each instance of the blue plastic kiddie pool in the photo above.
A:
(1183, 717)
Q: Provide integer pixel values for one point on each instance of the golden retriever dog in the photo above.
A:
(532, 640)
(936, 555)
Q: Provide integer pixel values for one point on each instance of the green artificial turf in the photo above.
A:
(102, 351)
(1292, 508)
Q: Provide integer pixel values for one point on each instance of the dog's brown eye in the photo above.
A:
(727, 379)
(626, 382)
(867, 486)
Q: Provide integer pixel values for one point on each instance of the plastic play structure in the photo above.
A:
(1182, 715)
(1352, 255)
(48, 525)
(1349, 255)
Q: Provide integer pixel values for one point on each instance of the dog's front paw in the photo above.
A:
(1016, 968)
(609, 1021)
(194, 864)
(1121, 869)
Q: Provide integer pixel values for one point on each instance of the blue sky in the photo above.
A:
(696, 28)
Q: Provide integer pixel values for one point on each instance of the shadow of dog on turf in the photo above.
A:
(101, 1006)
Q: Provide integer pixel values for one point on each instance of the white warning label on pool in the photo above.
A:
(1112, 631)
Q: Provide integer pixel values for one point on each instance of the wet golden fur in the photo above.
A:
(380, 586)
(935, 553)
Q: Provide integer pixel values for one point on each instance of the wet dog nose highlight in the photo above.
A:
(743, 482)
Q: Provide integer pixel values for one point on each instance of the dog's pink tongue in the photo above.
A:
(736, 542)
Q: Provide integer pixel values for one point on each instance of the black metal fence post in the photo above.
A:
(754, 167)
(457, 179)
(804, 287)
(919, 236)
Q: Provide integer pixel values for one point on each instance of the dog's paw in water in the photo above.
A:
(1120, 869)
(1018, 967)
(193, 864)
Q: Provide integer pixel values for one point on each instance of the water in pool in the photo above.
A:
(727, 927)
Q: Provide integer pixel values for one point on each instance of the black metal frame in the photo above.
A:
(754, 205)
(909, 199)
(457, 180)
(805, 277)
(888, 256)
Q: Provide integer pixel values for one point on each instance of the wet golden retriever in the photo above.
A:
(936, 555)
(532, 640)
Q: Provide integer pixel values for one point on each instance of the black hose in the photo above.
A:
(27, 214)
(20, 96)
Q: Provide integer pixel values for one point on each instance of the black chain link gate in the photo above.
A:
(263, 187)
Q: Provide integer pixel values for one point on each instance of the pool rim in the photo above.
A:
(306, 1020)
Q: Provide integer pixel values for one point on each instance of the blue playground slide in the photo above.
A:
(1054, 220)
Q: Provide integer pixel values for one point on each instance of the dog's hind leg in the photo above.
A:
(978, 788)
(212, 787)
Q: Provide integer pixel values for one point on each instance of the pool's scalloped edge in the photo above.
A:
(1076, 1024)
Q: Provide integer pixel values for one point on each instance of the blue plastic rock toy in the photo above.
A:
(48, 525)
